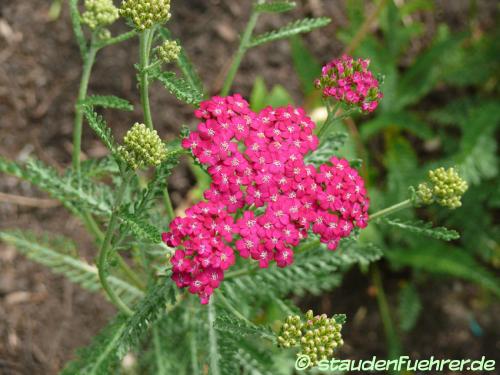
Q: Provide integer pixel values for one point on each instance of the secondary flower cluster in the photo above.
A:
(168, 51)
(142, 147)
(349, 81)
(263, 198)
(318, 337)
(99, 13)
(445, 187)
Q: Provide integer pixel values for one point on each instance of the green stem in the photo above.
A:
(144, 48)
(168, 205)
(329, 120)
(117, 39)
(82, 94)
(160, 364)
(243, 47)
(102, 261)
(385, 314)
(389, 210)
(212, 337)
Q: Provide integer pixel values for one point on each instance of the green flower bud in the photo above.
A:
(445, 187)
(168, 51)
(146, 13)
(142, 147)
(99, 13)
(317, 337)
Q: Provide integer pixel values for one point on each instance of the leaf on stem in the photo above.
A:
(423, 228)
(297, 27)
(179, 87)
(107, 101)
(275, 7)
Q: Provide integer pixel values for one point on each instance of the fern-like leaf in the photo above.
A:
(140, 228)
(275, 7)
(99, 358)
(226, 322)
(179, 87)
(57, 253)
(107, 101)
(423, 228)
(99, 126)
(146, 312)
(332, 143)
(301, 26)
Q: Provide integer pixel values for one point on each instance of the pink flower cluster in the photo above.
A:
(349, 81)
(263, 199)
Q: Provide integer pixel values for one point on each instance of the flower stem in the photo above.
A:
(82, 94)
(389, 210)
(385, 314)
(242, 48)
(168, 205)
(329, 120)
(144, 49)
(102, 261)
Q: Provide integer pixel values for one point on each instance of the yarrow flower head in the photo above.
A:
(256, 161)
(349, 81)
(445, 187)
(146, 13)
(168, 51)
(99, 13)
(317, 337)
(142, 147)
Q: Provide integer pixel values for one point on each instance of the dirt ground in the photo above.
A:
(43, 317)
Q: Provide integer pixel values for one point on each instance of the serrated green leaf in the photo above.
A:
(301, 26)
(226, 322)
(423, 228)
(340, 318)
(57, 253)
(99, 126)
(329, 146)
(179, 87)
(149, 310)
(275, 7)
(410, 307)
(99, 358)
(140, 228)
(107, 101)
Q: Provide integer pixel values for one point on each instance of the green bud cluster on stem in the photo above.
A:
(142, 147)
(445, 187)
(168, 51)
(317, 337)
(99, 13)
(146, 13)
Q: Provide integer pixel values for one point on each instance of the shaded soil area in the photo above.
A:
(43, 317)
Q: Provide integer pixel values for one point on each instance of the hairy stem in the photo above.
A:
(242, 48)
(389, 210)
(144, 49)
(88, 63)
(168, 205)
(102, 261)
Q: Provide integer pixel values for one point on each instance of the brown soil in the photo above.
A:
(43, 317)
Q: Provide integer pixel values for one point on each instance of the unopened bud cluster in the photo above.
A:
(445, 187)
(168, 51)
(318, 337)
(99, 13)
(142, 147)
(146, 13)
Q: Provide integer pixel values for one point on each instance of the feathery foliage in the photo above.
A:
(107, 101)
(275, 7)
(179, 87)
(297, 27)
(59, 254)
(423, 228)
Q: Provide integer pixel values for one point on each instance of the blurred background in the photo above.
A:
(439, 63)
